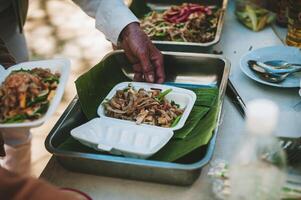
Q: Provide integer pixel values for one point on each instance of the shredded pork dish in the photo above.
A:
(25, 95)
(186, 23)
(148, 107)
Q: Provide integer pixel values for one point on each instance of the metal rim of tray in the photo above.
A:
(142, 162)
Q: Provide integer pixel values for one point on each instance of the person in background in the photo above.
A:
(17, 187)
(119, 25)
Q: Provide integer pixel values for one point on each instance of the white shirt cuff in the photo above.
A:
(111, 18)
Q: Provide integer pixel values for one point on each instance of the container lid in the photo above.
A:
(262, 116)
(121, 138)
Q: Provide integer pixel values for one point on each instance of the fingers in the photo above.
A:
(159, 67)
(138, 76)
(147, 68)
(146, 58)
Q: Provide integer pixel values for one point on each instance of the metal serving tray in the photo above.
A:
(188, 68)
(190, 46)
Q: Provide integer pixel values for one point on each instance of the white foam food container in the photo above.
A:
(61, 66)
(119, 138)
(124, 137)
(185, 98)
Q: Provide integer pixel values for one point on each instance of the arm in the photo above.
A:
(110, 16)
(15, 187)
(118, 23)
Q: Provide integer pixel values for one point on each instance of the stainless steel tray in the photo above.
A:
(190, 46)
(189, 68)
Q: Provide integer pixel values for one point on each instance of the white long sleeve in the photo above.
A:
(111, 16)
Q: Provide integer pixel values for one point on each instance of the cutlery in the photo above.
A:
(281, 64)
(271, 69)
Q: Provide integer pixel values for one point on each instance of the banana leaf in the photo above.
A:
(200, 135)
(205, 96)
(94, 85)
(196, 114)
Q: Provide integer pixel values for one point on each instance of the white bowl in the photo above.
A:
(185, 98)
(120, 138)
(59, 65)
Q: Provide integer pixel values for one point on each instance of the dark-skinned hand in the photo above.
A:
(6, 59)
(147, 60)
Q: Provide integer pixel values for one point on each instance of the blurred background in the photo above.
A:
(58, 28)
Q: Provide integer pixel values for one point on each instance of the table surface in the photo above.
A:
(235, 42)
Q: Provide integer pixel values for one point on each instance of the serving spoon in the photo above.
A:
(272, 69)
(281, 64)
(269, 73)
(274, 78)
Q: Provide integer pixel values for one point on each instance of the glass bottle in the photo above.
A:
(293, 37)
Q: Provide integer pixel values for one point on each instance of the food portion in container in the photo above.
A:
(250, 14)
(144, 106)
(185, 23)
(25, 95)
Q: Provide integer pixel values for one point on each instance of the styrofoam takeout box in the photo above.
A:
(124, 137)
(60, 65)
(185, 98)
(121, 138)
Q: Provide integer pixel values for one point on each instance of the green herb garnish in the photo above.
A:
(161, 96)
(176, 121)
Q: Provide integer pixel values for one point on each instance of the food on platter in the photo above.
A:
(185, 23)
(25, 95)
(144, 106)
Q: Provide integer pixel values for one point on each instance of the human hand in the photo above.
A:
(147, 60)
(6, 59)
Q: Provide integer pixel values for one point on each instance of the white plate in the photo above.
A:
(286, 53)
(185, 98)
(119, 138)
(59, 65)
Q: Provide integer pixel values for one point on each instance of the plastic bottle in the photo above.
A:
(257, 171)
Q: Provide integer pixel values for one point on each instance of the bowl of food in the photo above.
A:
(148, 104)
(31, 91)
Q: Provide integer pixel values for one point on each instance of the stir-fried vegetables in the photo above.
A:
(25, 94)
(186, 23)
(148, 107)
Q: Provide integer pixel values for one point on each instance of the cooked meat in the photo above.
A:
(149, 107)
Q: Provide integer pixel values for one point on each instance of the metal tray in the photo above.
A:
(189, 46)
(188, 68)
